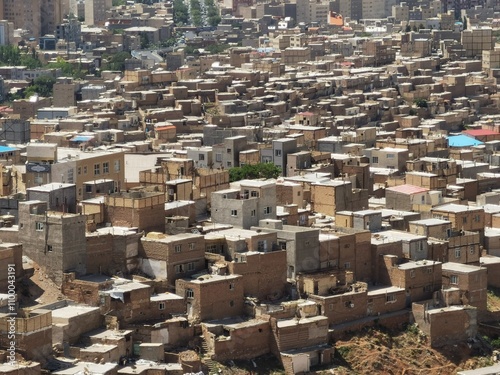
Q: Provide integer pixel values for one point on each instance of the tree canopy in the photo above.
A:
(261, 170)
(12, 56)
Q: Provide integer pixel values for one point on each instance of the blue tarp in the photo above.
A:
(81, 138)
(6, 149)
(462, 141)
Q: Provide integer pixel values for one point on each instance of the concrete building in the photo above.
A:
(95, 11)
(226, 154)
(301, 245)
(244, 207)
(59, 197)
(54, 240)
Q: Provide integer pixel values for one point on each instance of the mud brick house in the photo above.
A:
(445, 325)
(470, 280)
(172, 257)
(33, 334)
(337, 195)
(418, 279)
(462, 217)
(142, 210)
(210, 297)
(237, 338)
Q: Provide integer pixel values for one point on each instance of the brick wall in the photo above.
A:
(264, 274)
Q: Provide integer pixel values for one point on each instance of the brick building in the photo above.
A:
(211, 297)
(142, 210)
(172, 257)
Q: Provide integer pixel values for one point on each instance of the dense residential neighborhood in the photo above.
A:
(192, 187)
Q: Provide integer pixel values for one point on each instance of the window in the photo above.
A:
(464, 220)
(390, 156)
(191, 246)
(261, 245)
(161, 306)
(267, 210)
(190, 266)
(201, 157)
(179, 268)
(412, 273)
(277, 153)
(97, 169)
(178, 248)
(85, 170)
(420, 246)
(214, 249)
(458, 253)
(252, 213)
(105, 167)
(79, 170)
(454, 279)
(218, 157)
(254, 193)
(49, 248)
(390, 298)
(189, 293)
(39, 226)
(229, 164)
(231, 286)
(471, 249)
(347, 265)
(234, 213)
(88, 188)
(429, 269)
(228, 150)
(117, 165)
(477, 218)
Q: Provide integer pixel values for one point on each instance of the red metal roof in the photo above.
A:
(478, 132)
(408, 189)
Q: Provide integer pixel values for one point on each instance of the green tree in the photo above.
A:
(261, 170)
(115, 61)
(421, 103)
(42, 85)
(180, 12)
(217, 48)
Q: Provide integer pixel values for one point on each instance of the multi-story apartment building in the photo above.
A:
(39, 17)
(47, 163)
(95, 11)
(54, 240)
(246, 206)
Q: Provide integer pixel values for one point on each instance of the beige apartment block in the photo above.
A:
(477, 40)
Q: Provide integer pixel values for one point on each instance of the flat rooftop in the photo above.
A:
(430, 222)
(73, 310)
(459, 267)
